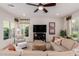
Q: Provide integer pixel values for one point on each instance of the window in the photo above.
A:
(25, 30)
(6, 29)
(9, 29)
(75, 28)
(24, 26)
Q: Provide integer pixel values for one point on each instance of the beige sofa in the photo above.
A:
(38, 53)
(47, 53)
(55, 53)
(65, 49)
(66, 44)
(33, 53)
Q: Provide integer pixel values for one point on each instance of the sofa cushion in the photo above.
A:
(33, 53)
(68, 43)
(55, 53)
(57, 47)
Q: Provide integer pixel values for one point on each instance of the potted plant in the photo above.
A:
(63, 33)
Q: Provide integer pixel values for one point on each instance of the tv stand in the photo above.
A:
(39, 36)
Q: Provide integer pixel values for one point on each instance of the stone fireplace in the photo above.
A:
(39, 36)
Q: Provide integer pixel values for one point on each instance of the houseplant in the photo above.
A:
(63, 33)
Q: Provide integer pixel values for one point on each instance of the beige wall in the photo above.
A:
(33, 20)
(4, 16)
(45, 20)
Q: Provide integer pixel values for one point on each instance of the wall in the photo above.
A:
(75, 15)
(33, 20)
(4, 16)
(45, 20)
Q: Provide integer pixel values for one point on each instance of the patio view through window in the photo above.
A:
(6, 29)
(75, 28)
(9, 29)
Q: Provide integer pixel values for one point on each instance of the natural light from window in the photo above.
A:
(75, 29)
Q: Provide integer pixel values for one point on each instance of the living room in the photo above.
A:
(17, 16)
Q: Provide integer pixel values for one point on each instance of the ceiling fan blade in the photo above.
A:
(36, 10)
(40, 4)
(45, 10)
(49, 4)
(31, 4)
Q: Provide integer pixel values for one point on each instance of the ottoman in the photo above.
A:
(39, 46)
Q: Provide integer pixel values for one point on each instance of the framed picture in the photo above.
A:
(51, 27)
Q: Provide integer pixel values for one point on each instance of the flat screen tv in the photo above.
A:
(39, 28)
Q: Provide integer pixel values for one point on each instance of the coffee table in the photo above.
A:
(39, 46)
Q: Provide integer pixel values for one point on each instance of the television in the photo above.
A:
(39, 28)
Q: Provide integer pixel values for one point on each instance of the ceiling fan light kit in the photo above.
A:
(41, 6)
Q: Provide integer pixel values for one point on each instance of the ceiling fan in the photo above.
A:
(42, 6)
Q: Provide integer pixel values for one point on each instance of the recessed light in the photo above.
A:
(57, 14)
(11, 5)
(24, 14)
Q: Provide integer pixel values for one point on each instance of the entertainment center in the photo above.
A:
(39, 32)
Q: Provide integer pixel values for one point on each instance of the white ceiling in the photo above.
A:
(60, 10)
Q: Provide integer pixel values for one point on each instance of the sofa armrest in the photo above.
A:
(33, 53)
(55, 53)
